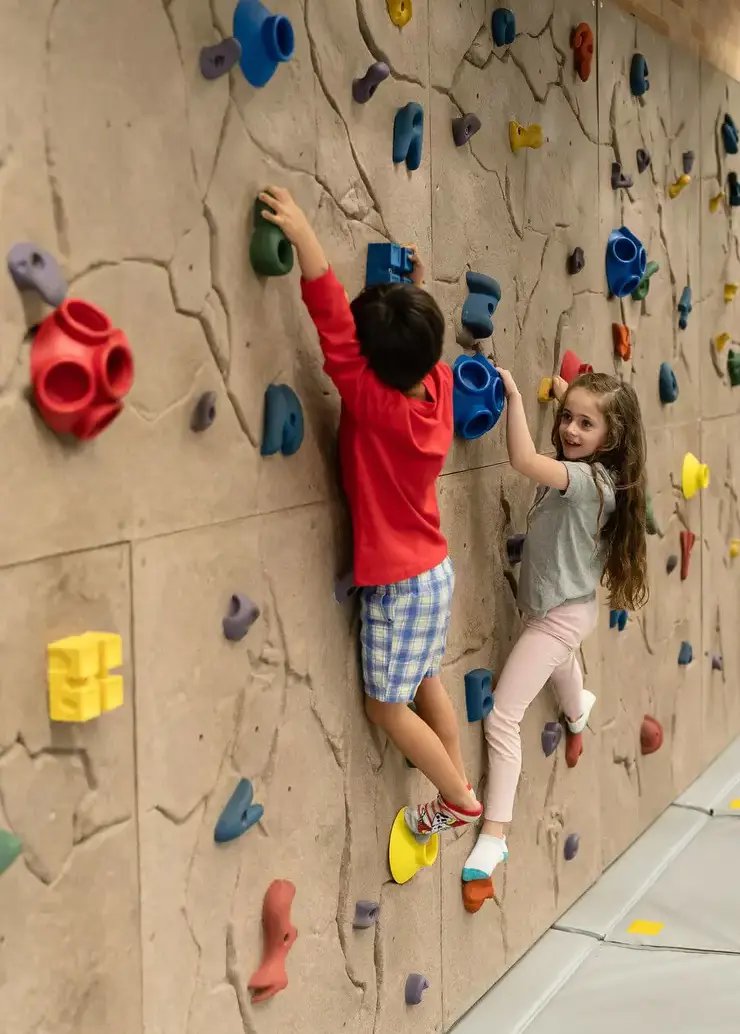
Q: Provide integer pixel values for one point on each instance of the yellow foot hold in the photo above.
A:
(716, 201)
(730, 292)
(646, 927)
(675, 188)
(400, 12)
(405, 854)
(524, 136)
(734, 548)
(720, 341)
(544, 392)
(80, 684)
(694, 475)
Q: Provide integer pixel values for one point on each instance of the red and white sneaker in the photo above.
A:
(439, 815)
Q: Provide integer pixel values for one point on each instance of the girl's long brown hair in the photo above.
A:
(623, 536)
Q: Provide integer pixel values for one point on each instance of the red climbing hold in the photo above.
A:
(572, 367)
(622, 343)
(582, 42)
(279, 938)
(573, 747)
(688, 538)
(475, 893)
(651, 735)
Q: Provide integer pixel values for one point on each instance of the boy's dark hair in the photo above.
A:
(400, 329)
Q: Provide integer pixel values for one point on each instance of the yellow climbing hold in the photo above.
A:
(524, 136)
(675, 188)
(405, 854)
(735, 805)
(716, 201)
(734, 548)
(80, 684)
(730, 292)
(544, 392)
(694, 475)
(646, 927)
(400, 12)
(720, 341)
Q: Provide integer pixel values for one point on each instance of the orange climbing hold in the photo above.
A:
(651, 735)
(475, 893)
(622, 343)
(688, 538)
(279, 938)
(573, 747)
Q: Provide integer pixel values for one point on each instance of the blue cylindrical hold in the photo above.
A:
(266, 40)
(639, 83)
(478, 396)
(667, 384)
(408, 135)
(503, 26)
(478, 693)
(626, 262)
(238, 815)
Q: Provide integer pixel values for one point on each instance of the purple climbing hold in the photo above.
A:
(620, 180)
(365, 87)
(643, 159)
(366, 914)
(572, 843)
(240, 617)
(220, 58)
(551, 736)
(344, 587)
(576, 261)
(687, 160)
(514, 548)
(416, 985)
(671, 563)
(717, 663)
(204, 413)
(464, 127)
(34, 269)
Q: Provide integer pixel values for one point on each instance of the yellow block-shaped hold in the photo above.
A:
(524, 136)
(720, 341)
(544, 392)
(646, 927)
(75, 700)
(675, 188)
(735, 805)
(76, 657)
(111, 692)
(715, 202)
(730, 292)
(80, 686)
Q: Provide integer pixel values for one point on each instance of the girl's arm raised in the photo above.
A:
(523, 456)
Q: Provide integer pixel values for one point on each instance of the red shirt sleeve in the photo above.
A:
(365, 396)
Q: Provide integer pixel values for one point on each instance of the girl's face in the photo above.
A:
(582, 425)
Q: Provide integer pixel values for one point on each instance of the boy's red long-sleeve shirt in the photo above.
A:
(392, 448)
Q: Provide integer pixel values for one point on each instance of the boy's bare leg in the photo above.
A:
(434, 706)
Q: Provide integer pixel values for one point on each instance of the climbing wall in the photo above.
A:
(116, 156)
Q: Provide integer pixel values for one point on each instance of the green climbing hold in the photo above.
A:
(641, 291)
(733, 367)
(650, 522)
(270, 251)
(10, 848)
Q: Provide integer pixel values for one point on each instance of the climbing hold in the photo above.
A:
(475, 893)
(270, 251)
(405, 854)
(733, 189)
(651, 735)
(524, 136)
(366, 914)
(283, 425)
(388, 264)
(639, 81)
(400, 12)
(240, 617)
(620, 179)
(478, 396)
(733, 368)
(694, 475)
(684, 307)
(622, 343)
(572, 367)
(514, 548)
(10, 848)
(416, 985)
(685, 653)
(730, 292)
(671, 563)
(484, 294)
(503, 27)
(651, 525)
(544, 392)
(205, 412)
(618, 619)
(716, 201)
(364, 87)
(626, 262)
(667, 384)
(717, 663)
(408, 135)
(570, 849)
(550, 737)
(80, 684)
(576, 261)
(687, 538)
(239, 815)
(729, 135)
(734, 548)
(344, 587)
(687, 161)
(265, 39)
(573, 747)
(478, 693)
(464, 127)
(219, 59)
(279, 936)
(641, 291)
(721, 340)
(643, 159)
(81, 367)
(582, 43)
(34, 269)
(675, 188)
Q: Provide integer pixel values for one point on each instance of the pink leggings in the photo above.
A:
(545, 650)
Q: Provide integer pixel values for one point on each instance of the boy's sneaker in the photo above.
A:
(439, 815)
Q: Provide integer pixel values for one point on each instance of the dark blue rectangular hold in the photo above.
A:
(478, 693)
(388, 264)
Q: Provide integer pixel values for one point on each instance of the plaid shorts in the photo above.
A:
(404, 632)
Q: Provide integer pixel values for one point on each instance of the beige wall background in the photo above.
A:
(123, 916)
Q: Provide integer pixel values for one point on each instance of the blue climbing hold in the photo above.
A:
(733, 189)
(618, 619)
(625, 262)
(684, 307)
(685, 653)
(266, 40)
(478, 693)
(480, 305)
(477, 396)
(503, 27)
(283, 428)
(639, 82)
(388, 264)
(238, 815)
(730, 135)
(667, 384)
(408, 135)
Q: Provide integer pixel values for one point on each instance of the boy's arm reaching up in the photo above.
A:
(523, 456)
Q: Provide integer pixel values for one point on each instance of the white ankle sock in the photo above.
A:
(484, 857)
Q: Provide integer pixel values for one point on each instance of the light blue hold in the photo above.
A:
(684, 307)
(239, 815)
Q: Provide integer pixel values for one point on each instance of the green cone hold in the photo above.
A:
(270, 251)
(10, 848)
(641, 291)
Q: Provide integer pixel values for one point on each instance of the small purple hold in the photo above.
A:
(464, 127)
(514, 548)
(34, 269)
(219, 59)
(416, 985)
(671, 563)
(240, 617)
(717, 663)
(366, 914)
(687, 159)
(364, 87)
(551, 736)
(576, 261)
(643, 159)
(572, 843)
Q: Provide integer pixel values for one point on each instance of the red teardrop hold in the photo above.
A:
(572, 367)
(279, 938)
(475, 893)
(651, 735)
(688, 538)
(573, 747)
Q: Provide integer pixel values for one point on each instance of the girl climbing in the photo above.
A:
(587, 526)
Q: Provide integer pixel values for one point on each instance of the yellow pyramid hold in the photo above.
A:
(524, 136)
(716, 201)
(720, 341)
(405, 854)
(730, 292)
(675, 188)
(694, 475)
(80, 685)
(544, 392)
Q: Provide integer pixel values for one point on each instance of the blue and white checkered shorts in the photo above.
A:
(404, 632)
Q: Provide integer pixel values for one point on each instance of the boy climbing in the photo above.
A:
(383, 354)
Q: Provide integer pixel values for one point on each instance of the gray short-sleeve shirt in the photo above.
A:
(562, 561)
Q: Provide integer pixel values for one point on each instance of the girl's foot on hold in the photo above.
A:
(440, 815)
(486, 855)
(579, 724)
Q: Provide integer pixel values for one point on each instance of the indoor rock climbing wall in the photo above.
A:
(116, 156)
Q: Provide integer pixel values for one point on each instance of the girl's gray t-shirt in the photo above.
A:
(562, 561)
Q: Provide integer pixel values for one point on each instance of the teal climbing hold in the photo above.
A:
(618, 619)
(639, 81)
(239, 815)
(684, 307)
(478, 693)
(408, 135)
(10, 848)
(503, 27)
(685, 653)
(283, 428)
(729, 135)
(667, 384)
